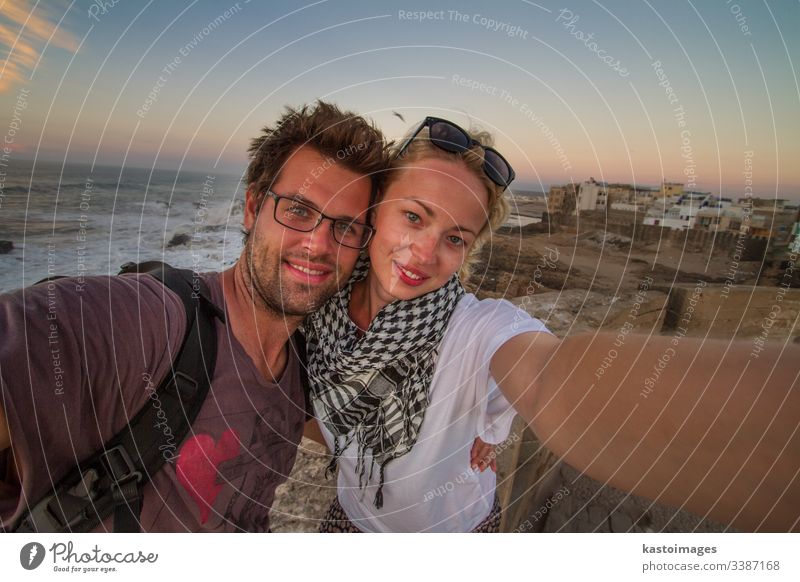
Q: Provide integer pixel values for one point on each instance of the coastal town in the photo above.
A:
(765, 230)
(671, 206)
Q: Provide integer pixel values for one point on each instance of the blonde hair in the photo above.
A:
(421, 148)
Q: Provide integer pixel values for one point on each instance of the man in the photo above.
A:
(79, 359)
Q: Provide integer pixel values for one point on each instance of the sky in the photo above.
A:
(700, 92)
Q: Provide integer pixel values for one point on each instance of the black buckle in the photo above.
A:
(42, 518)
(120, 466)
(62, 511)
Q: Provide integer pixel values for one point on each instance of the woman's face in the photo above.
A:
(424, 227)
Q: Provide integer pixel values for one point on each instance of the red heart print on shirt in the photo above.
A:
(197, 467)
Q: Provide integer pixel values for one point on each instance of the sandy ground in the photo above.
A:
(595, 262)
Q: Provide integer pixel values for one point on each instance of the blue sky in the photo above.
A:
(571, 89)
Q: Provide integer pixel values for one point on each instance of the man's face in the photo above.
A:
(293, 273)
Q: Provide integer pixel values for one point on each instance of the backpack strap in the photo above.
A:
(112, 479)
(299, 341)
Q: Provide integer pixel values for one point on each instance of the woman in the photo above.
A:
(407, 367)
(399, 359)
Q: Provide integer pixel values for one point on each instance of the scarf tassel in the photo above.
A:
(337, 450)
(379, 494)
(361, 465)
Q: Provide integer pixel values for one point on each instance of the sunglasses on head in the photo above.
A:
(452, 138)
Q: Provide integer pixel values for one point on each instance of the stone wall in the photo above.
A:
(722, 311)
(547, 495)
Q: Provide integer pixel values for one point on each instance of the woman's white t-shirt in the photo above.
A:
(432, 488)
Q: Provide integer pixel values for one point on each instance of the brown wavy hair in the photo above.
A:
(351, 140)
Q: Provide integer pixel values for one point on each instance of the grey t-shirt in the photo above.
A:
(79, 358)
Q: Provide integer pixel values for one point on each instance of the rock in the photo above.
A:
(575, 310)
(303, 500)
(557, 522)
(598, 518)
(178, 239)
(629, 509)
(6, 246)
(621, 522)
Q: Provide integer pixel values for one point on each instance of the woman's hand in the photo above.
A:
(482, 456)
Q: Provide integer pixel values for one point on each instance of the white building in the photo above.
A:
(682, 213)
(628, 207)
(719, 217)
(592, 195)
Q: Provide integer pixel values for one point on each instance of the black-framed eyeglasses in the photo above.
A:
(297, 215)
(452, 138)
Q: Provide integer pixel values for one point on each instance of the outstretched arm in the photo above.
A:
(707, 425)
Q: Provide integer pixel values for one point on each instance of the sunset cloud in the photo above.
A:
(25, 32)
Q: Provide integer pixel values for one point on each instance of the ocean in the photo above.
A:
(75, 220)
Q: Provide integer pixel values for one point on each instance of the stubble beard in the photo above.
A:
(276, 294)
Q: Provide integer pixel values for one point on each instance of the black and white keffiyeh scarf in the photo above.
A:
(374, 388)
